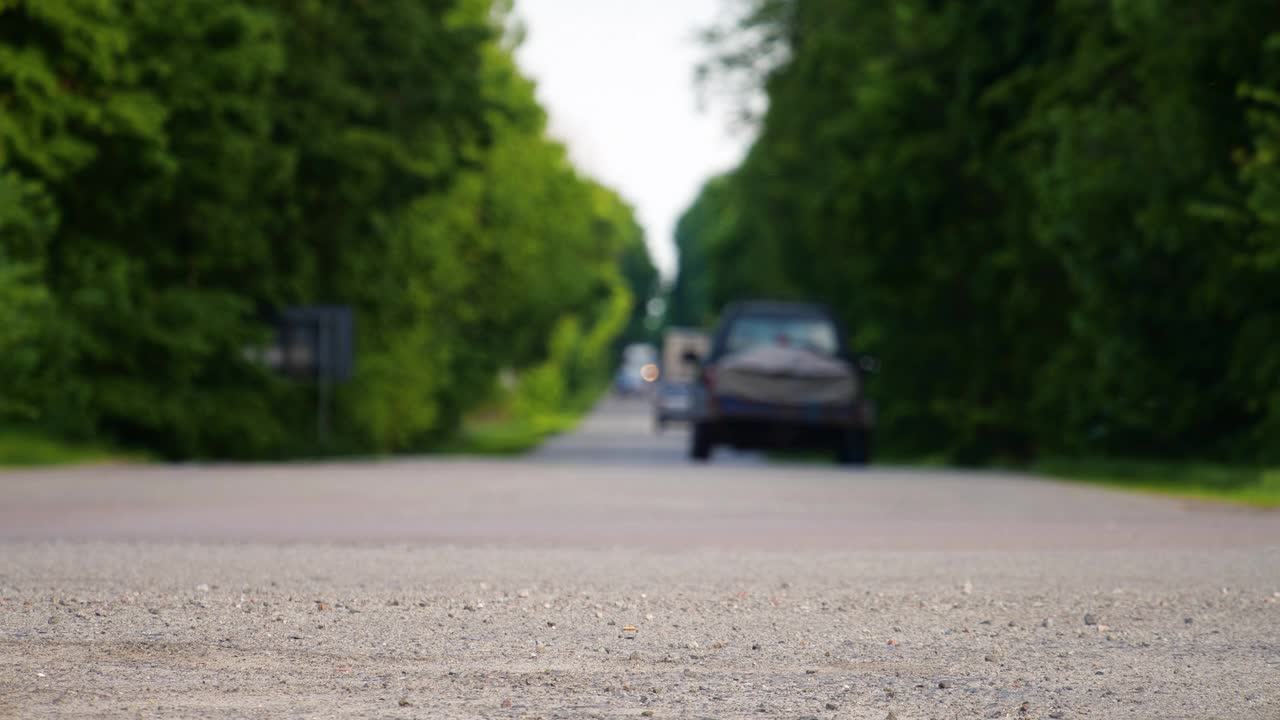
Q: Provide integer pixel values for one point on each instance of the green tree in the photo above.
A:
(172, 174)
(1030, 212)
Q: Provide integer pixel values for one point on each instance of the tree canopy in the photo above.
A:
(173, 173)
(1054, 222)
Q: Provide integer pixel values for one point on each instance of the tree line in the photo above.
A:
(1056, 223)
(172, 174)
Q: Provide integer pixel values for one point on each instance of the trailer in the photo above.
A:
(673, 398)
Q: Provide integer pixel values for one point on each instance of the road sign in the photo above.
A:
(316, 341)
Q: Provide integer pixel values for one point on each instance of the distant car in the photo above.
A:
(781, 375)
(629, 381)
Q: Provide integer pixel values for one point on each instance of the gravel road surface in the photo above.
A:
(603, 577)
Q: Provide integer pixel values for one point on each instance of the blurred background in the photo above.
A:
(251, 229)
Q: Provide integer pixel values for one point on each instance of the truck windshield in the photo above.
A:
(809, 333)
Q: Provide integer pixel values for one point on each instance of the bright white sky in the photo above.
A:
(616, 77)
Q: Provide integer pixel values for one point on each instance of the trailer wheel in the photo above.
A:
(700, 442)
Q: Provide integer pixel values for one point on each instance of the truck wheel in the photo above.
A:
(854, 447)
(700, 442)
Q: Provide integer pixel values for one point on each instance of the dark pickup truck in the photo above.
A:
(781, 375)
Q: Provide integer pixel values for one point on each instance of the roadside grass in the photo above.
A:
(1258, 487)
(507, 436)
(495, 430)
(1253, 486)
(25, 448)
(498, 430)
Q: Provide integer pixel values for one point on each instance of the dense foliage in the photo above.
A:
(172, 173)
(1056, 223)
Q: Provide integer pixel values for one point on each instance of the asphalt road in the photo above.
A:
(604, 576)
